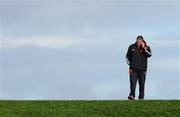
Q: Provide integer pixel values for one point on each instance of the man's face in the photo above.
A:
(139, 42)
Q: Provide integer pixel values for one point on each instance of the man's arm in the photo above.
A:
(129, 56)
(147, 51)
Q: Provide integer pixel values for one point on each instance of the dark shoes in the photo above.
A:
(133, 98)
(141, 98)
(130, 97)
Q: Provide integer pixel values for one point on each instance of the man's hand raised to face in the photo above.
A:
(143, 44)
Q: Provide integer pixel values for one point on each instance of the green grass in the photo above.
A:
(104, 108)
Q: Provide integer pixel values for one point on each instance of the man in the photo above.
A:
(136, 58)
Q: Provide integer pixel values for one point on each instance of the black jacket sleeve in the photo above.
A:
(147, 52)
(129, 55)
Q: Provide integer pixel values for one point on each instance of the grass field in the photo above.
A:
(96, 108)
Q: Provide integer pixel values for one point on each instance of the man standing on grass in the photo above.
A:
(136, 58)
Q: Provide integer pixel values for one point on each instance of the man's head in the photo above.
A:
(139, 40)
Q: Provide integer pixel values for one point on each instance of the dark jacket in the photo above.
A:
(136, 57)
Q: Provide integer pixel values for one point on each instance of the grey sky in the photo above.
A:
(76, 49)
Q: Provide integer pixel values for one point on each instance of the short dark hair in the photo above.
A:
(140, 37)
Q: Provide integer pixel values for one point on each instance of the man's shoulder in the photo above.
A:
(132, 45)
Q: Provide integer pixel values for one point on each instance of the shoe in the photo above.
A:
(130, 97)
(141, 98)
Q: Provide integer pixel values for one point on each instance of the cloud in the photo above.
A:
(88, 39)
(165, 64)
(49, 42)
(165, 42)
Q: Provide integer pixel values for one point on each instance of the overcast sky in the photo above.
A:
(75, 49)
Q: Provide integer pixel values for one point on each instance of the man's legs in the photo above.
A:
(141, 81)
(133, 82)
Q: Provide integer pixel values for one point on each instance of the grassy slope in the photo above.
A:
(110, 108)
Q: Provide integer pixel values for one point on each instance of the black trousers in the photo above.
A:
(139, 76)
